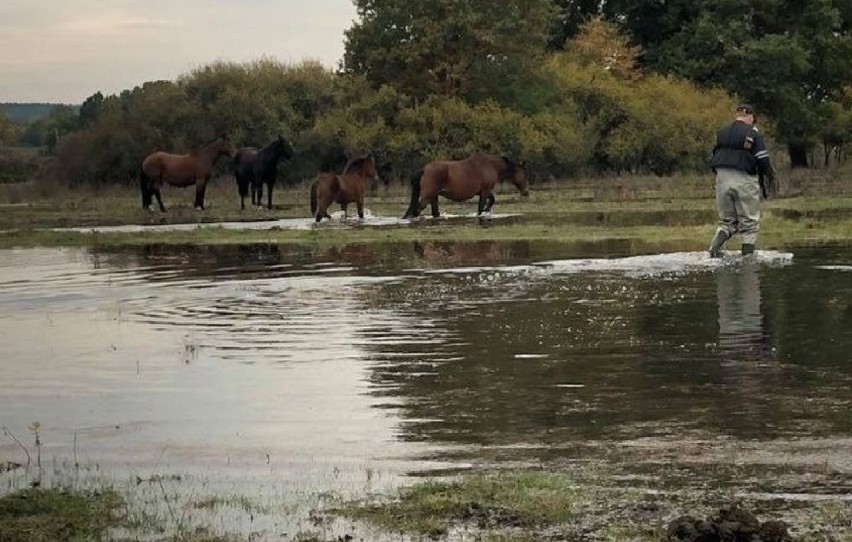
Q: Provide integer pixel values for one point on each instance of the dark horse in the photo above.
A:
(344, 189)
(254, 168)
(460, 180)
(181, 170)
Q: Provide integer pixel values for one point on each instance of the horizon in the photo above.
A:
(61, 52)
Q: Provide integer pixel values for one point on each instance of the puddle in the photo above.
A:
(307, 223)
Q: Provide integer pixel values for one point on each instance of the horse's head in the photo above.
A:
(517, 173)
(365, 166)
(224, 145)
(283, 148)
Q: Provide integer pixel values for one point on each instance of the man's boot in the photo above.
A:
(747, 249)
(717, 243)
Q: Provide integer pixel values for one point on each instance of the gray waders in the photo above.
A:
(738, 203)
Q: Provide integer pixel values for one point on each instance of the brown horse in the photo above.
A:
(344, 189)
(460, 180)
(182, 170)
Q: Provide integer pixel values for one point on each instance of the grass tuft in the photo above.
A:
(527, 500)
(51, 514)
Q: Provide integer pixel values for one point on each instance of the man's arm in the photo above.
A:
(765, 171)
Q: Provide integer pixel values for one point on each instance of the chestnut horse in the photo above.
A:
(254, 168)
(181, 170)
(460, 180)
(344, 189)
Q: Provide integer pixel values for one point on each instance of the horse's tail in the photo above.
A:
(314, 203)
(414, 206)
(145, 189)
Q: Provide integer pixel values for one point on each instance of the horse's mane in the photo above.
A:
(497, 160)
(268, 148)
(511, 166)
(214, 140)
(356, 162)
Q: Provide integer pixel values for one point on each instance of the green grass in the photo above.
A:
(649, 211)
(49, 515)
(528, 501)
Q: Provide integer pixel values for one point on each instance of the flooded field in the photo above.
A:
(287, 374)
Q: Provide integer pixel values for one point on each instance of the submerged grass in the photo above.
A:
(48, 515)
(527, 501)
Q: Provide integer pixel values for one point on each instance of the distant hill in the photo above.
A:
(28, 112)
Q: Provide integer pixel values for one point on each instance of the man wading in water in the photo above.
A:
(743, 172)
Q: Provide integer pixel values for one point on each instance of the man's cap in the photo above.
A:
(745, 108)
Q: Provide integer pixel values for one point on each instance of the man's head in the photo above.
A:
(745, 113)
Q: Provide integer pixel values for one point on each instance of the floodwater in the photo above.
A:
(338, 220)
(266, 370)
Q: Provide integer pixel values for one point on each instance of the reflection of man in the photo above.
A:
(741, 330)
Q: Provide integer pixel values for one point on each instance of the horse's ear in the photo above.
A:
(522, 163)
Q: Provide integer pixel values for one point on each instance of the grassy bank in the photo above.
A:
(516, 506)
(651, 211)
(48, 515)
(536, 506)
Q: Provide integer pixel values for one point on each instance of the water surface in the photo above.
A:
(302, 370)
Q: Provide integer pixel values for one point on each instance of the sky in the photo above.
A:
(66, 50)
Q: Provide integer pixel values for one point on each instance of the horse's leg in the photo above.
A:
(343, 207)
(242, 188)
(490, 203)
(321, 205)
(322, 212)
(428, 196)
(483, 201)
(157, 195)
(259, 188)
(359, 203)
(434, 204)
(199, 193)
(269, 196)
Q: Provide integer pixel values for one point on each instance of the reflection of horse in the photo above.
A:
(181, 170)
(255, 168)
(344, 189)
(461, 180)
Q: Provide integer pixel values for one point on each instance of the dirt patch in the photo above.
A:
(730, 524)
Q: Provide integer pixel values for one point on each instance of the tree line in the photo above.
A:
(568, 85)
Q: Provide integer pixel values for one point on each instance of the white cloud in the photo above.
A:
(115, 25)
(65, 50)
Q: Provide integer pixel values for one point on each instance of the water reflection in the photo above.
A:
(355, 354)
(744, 332)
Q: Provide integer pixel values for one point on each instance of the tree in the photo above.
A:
(458, 48)
(571, 15)
(10, 132)
(787, 57)
(91, 108)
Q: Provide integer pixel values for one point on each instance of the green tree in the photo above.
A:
(571, 15)
(472, 49)
(10, 132)
(787, 57)
(91, 108)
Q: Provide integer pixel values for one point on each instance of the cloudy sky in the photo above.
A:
(66, 50)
